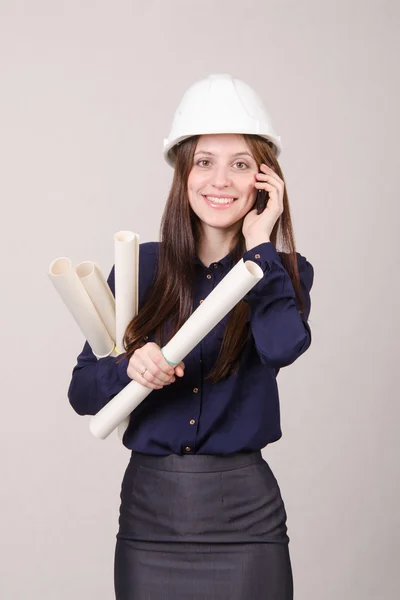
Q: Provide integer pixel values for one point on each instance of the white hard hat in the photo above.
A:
(219, 104)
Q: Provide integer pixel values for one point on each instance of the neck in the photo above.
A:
(214, 244)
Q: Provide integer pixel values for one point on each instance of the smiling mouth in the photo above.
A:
(219, 201)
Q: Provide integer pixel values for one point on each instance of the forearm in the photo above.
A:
(281, 334)
(95, 381)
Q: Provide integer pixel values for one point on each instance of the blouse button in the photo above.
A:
(257, 256)
(215, 265)
(201, 301)
(192, 421)
(209, 276)
(188, 448)
(195, 390)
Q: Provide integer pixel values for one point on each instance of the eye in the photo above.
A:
(202, 160)
(241, 163)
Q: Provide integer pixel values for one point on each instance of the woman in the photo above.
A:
(201, 515)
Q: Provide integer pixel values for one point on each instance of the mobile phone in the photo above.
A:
(261, 201)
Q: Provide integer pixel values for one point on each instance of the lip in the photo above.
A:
(220, 196)
(220, 206)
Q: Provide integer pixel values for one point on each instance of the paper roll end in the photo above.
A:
(59, 266)
(111, 352)
(254, 269)
(125, 236)
(95, 430)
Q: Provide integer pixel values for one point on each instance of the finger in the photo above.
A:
(269, 187)
(180, 369)
(163, 369)
(133, 371)
(270, 173)
(152, 373)
(155, 375)
(143, 381)
(275, 198)
(267, 177)
(269, 170)
(160, 367)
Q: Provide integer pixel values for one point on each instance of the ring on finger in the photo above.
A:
(143, 370)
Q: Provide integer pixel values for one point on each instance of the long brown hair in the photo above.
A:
(179, 235)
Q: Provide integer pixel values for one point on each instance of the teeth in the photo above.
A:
(215, 200)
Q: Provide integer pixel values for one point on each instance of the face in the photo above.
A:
(221, 183)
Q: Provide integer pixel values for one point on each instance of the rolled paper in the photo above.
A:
(99, 292)
(126, 245)
(69, 286)
(123, 426)
(126, 270)
(236, 284)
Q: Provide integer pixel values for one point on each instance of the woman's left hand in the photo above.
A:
(257, 228)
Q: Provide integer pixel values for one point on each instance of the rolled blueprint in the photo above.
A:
(68, 284)
(126, 272)
(99, 291)
(236, 284)
(126, 245)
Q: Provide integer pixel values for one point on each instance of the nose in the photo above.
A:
(220, 178)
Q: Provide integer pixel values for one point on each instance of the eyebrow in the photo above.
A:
(232, 155)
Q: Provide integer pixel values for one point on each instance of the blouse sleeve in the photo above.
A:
(281, 334)
(96, 381)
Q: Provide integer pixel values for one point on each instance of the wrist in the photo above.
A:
(252, 243)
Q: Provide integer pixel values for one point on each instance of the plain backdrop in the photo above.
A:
(87, 91)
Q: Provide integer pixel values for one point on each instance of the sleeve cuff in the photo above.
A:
(264, 255)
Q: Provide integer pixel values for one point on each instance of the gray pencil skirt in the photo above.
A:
(201, 527)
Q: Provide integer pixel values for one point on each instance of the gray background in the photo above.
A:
(88, 90)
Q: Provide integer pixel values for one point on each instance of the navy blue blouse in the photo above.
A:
(193, 415)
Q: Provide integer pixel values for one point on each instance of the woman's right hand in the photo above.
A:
(158, 371)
